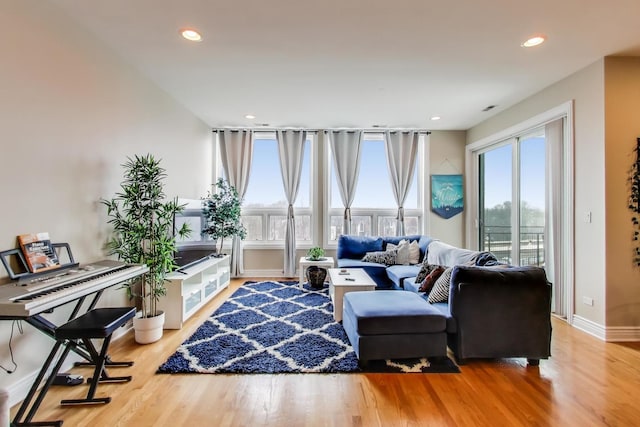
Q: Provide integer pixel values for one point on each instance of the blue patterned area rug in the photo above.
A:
(275, 327)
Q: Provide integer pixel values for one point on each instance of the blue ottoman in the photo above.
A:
(393, 325)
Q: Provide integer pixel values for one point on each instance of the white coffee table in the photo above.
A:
(326, 262)
(352, 280)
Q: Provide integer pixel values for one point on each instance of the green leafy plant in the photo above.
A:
(143, 232)
(222, 212)
(634, 201)
(315, 253)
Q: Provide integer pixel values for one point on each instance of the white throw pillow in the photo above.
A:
(414, 252)
(402, 248)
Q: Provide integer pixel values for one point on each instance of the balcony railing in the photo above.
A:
(497, 239)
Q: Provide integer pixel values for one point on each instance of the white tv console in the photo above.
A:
(191, 288)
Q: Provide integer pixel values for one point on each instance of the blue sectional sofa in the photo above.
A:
(351, 250)
(492, 310)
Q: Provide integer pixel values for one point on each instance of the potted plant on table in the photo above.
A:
(315, 254)
(142, 222)
(222, 213)
(316, 274)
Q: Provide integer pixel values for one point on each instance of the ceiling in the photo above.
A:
(357, 63)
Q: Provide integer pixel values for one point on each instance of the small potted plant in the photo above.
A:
(315, 274)
(315, 254)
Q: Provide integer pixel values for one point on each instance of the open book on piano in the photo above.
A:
(38, 252)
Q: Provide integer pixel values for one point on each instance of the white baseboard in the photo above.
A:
(623, 333)
(607, 333)
(590, 327)
(266, 273)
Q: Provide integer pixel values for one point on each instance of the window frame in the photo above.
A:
(373, 213)
(474, 149)
(268, 213)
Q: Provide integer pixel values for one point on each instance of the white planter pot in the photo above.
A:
(148, 329)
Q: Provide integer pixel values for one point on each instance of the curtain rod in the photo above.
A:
(371, 130)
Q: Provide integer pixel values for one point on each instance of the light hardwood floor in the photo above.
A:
(586, 382)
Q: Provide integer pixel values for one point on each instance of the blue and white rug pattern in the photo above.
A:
(275, 327)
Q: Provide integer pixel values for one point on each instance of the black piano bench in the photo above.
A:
(96, 323)
(77, 335)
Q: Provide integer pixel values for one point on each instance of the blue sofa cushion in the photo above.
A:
(392, 312)
(397, 273)
(443, 308)
(355, 247)
(409, 284)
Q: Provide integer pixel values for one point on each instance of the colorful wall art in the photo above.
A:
(447, 195)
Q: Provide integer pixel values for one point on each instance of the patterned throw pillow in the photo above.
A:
(381, 257)
(440, 291)
(402, 257)
(431, 278)
(425, 269)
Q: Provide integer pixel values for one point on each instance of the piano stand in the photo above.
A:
(108, 362)
(96, 323)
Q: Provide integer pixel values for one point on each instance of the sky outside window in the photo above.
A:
(498, 174)
(374, 184)
(265, 187)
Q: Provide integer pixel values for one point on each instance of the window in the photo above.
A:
(264, 209)
(514, 236)
(374, 208)
(537, 165)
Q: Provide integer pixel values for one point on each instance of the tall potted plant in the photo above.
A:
(222, 213)
(142, 222)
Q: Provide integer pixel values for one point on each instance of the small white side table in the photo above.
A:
(352, 280)
(326, 262)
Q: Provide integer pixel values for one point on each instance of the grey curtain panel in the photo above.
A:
(345, 150)
(291, 153)
(236, 150)
(554, 137)
(402, 147)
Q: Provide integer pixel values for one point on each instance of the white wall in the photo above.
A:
(70, 113)
(622, 128)
(446, 157)
(586, 89)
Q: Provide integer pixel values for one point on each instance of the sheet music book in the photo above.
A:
(38, 252)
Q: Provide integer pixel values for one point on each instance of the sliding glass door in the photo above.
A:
(512, 199)
(521, 195)
(496, 198)
(532, 199)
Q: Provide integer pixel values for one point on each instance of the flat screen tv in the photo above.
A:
(197, 246)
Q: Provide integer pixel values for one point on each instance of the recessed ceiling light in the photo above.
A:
(250, 116)
(434, 118)
(191, 34)
(534, 41)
